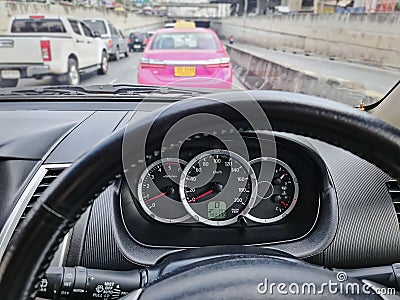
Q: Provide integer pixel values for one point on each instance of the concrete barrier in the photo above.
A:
(256, 72)
(123, 21)
(368, 38)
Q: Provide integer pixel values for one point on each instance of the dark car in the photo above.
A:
(137, 41)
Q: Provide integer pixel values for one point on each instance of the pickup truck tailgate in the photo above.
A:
(20, 50)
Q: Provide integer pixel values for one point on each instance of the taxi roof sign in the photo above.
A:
(185, 24)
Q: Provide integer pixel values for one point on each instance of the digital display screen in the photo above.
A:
(217, 210)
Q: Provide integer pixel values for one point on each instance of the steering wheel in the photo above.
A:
(31, 249)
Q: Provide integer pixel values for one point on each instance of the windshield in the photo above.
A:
(201, 149)
(184, 41)
(345, 51)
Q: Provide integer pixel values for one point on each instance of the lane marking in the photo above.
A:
(113, 81)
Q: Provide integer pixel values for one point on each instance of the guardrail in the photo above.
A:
(256, 72)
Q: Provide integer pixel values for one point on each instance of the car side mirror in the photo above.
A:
(96, 34)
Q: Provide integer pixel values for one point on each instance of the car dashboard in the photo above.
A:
(322, 203)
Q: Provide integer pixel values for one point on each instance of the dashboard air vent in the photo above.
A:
(394, 190)
(50, 176)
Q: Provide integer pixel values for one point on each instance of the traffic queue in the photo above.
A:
(66, 47)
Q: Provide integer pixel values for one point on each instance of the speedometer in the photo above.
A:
(217, 187)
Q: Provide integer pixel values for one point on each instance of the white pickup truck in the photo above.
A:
(42, 45)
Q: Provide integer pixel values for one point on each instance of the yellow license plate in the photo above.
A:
(185, 71)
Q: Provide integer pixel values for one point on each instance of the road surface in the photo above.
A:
(122, 71)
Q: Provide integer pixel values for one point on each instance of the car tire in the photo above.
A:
(72, 77)
(117, 55)
(8, 83)
(103, 64)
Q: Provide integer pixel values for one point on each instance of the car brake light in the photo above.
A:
(46, 50)
(36, 17)
(110, 43)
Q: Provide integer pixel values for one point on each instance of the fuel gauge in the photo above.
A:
(275, 198)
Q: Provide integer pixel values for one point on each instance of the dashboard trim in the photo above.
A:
(161, 251)
(193, 247)
(12, 221)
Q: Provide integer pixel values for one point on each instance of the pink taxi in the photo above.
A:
(186, 57)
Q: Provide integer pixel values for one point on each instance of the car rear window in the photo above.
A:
(97, 25)
(185, 40)
(37, 25)
(114, 30)
(140, 36)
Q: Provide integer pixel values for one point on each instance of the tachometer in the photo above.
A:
(275, 199)
(217, 187)
(158, 191)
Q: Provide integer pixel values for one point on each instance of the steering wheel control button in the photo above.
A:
(68, 281)
(80, 282)
(51, 282)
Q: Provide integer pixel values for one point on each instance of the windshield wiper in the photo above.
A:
(36, 91)
(135, 89)
(117, 90)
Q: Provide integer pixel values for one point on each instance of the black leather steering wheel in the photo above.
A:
(32, 247)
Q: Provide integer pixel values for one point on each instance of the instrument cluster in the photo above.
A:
(208, 194)
(218, 188)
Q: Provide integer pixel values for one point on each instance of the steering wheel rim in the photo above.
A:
(252, 276)
(62, 204)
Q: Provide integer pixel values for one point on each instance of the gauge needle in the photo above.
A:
(155, 197)
(201, 196)
(284, 204)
